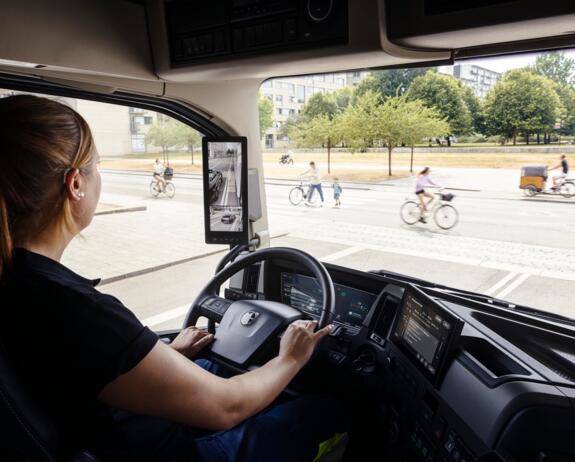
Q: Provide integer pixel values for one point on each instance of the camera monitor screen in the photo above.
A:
(426, 332)
(225, 189)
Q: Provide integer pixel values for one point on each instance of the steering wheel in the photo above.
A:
(247, 328)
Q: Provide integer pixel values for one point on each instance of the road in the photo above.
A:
(505, 245)
(226, 207)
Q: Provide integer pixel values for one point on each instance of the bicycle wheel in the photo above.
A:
(410, 212)
(446, 216)
(170, 189)
(567, 189)
(154, 189)
(296, 195)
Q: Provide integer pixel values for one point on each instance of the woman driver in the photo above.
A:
(83, 355)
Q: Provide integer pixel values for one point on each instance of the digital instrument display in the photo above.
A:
(425, 331)
(225, 190)
(305, 294)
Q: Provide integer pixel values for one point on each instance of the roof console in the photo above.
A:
(201, 32)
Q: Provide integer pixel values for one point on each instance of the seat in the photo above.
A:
(27, 434)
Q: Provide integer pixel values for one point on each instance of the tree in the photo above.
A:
(266, 110)
(445, 94)
(393, 82)
(164, 134)
(320, 104)
(357, 123)
(421, 122)
(475, 109)
(188, 137)
(555, 66)
(521, 101)
(566, 95)
(319, 131)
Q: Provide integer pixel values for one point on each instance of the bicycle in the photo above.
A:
(299, 193)
(169, 189)
(445, 215)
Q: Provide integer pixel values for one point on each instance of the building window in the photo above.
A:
(279, 99)
(267, 84)
(300, 93)
(340, 82)
(289, 87)
(329, 78)
(292, 112)
(293, 99)
(148, 120)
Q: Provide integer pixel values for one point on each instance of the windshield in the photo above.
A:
(459, 175)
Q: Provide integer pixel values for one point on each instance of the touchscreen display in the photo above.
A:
(425, 330)
(304, 293)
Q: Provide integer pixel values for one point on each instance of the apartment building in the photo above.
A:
(289, 95)
(478, 78)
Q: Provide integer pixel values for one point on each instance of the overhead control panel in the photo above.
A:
(202, 32)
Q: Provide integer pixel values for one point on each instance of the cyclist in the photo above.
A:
(158, 174)
(564, 166)
(424, 181)
(315, 182)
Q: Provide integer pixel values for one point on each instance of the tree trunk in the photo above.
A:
(389, 148)
(411, 162)
(192, 146)
(527, 138)
(514, 137)
(538, 138)
(448, 141)
(328, 156)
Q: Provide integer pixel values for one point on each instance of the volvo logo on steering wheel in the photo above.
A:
(249, 317)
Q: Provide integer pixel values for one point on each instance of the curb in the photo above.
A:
(122, 210)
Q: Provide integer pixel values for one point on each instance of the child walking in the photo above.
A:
(336, 192)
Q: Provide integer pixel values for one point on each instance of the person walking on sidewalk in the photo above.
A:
(336, 192)
(315, 182)
(423, 181)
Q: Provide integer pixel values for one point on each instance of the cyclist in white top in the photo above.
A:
(424, 181)
(314, 181)
(159, 174)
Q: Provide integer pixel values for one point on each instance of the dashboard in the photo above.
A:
(438, 376)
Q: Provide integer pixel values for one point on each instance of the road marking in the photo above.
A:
(511, 287)
(342, 253)
(165, 316)
(501, 283)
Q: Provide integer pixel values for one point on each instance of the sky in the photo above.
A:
(504, 63)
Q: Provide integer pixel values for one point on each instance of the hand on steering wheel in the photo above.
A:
(299, 340)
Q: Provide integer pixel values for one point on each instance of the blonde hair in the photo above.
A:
(41, 140)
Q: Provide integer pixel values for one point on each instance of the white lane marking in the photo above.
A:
(511, 287)
(342, 253)
(500, 283)
(165, 316)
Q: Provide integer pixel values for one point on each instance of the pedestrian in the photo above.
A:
(314, 182)
(336, 191)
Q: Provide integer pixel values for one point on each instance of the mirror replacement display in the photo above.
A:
(225, 189)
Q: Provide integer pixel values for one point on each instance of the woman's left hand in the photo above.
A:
(191, 340)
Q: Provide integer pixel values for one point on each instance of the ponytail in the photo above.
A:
(6, 245)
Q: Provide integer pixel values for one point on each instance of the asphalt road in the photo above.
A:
(507, 246)
(225, 212)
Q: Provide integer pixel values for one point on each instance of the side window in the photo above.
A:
(146, 241)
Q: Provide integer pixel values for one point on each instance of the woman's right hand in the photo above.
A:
(299, 340)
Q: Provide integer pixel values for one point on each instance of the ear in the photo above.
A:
(74, 183)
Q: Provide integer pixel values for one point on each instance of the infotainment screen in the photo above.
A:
(225, 189)
(426, 332)
(304, 293)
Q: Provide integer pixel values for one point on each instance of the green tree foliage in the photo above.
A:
(475, 109)
(358, 122)
(266, 111)
(393, 82)
(163, 134)
(567, 97)
(421, 122)
(521, 102)
(187, 137)
(319, 131)
(557, 67)
(320, 104)
(445, 94)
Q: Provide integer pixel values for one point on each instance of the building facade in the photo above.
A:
(289, 95)
(478, 78)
